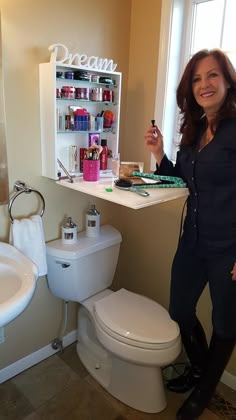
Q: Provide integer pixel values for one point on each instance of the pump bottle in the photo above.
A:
(92, 222)
(69, 232)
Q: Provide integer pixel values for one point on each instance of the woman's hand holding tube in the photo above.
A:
(154, 142)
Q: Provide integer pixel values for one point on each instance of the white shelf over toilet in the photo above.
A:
(124, 198)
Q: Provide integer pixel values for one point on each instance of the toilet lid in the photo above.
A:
(136, 318)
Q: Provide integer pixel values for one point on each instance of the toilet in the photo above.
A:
(124, 339)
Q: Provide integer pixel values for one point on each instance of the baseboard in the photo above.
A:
(229, 380)
(47, 351)
(34, 358)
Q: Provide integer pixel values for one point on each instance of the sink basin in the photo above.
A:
(18, 277)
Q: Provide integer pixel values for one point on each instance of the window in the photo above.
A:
(186, 27)
(214, 26)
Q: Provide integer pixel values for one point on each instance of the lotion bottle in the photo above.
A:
(92, 222)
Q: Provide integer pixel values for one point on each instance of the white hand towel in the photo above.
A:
(27, 235)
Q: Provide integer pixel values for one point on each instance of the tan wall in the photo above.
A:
(144, 44)
(131, 37)
(28, 28)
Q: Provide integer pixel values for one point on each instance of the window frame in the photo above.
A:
(186, 8)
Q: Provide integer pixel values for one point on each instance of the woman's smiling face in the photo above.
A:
(209, 85)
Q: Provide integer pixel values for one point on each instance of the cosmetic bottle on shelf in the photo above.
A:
(104, 155)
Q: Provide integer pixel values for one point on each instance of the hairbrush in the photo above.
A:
(127, 185)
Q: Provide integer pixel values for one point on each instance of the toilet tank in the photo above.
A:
(78, 271)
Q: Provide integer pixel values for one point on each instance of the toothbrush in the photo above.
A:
(154, 133)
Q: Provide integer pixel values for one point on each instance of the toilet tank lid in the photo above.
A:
(107, 237)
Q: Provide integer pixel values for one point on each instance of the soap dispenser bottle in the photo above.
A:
(92, 222)
(69, 232)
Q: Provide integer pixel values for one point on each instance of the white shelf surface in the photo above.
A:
(124, 198)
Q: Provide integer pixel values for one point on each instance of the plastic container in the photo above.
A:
(82, 93)
(68, 92)
(69, 75)
(108, 96)
(96, 94)
(81, 120)
(92, 222)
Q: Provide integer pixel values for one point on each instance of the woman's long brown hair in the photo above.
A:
(191, 113)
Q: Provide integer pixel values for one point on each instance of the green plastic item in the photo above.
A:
(175, 181)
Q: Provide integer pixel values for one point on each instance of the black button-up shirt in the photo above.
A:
(210, 174)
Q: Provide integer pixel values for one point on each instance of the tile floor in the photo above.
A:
(59, 388)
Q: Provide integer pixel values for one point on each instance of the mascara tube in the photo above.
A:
(154, 133)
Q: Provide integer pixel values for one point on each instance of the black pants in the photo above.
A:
(190, 274)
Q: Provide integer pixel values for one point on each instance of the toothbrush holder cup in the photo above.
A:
(91, 169)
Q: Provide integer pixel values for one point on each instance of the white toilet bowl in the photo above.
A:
(124, 339)
(128, 363)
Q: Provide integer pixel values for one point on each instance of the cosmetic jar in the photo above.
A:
(68, 92)
(82, 93)
(69, 75)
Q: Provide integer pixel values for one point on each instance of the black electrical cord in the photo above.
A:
(179, 373)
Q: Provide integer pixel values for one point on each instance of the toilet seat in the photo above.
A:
(136, 320)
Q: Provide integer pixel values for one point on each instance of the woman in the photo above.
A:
(206, 160)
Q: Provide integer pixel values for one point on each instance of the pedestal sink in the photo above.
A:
(18, 277)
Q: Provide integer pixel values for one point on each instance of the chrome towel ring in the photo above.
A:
(20, 188)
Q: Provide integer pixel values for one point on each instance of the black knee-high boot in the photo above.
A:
(196, 347)
(219, 354)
